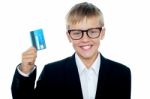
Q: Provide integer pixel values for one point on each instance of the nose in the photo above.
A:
(85, 37)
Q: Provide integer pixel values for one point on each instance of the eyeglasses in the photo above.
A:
(77, 34)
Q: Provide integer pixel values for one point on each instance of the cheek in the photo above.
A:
(97, 45)
(75, 44)
(97, 42)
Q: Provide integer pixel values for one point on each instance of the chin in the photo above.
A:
(86, 56)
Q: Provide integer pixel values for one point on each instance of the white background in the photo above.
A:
(127, 36)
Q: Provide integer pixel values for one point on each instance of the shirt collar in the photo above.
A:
(81, 67)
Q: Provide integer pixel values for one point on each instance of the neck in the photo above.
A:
(89, 61)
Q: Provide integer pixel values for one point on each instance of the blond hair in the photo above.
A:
(83, 10)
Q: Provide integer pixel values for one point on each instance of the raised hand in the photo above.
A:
(28, 60)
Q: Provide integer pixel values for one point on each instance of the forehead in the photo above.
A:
(86, 23)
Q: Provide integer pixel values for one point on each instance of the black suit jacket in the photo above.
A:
(60, 80)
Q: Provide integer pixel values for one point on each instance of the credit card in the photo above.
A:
(37, 39)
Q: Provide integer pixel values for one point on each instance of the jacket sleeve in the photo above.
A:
(23, 87)
(123, 84)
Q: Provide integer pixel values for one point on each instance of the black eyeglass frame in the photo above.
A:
(86, 31)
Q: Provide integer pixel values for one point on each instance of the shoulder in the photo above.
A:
(118, 65)
(54, 70)
(59, 64)
(115, 66)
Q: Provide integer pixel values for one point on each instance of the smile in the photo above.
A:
(86, 47)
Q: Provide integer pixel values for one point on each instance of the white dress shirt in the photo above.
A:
(88, 77)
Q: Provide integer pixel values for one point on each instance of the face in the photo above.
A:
(87, 48)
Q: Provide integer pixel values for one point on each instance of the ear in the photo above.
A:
(68, 37)
(102, 35)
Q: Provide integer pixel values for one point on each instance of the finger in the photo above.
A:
(30, 52)
(33, 49)
(28, 61)
(29, 56)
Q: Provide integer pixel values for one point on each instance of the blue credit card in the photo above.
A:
(37, 39)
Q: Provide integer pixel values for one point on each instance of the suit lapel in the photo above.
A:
(73, 86)
(102, 79)
(72, 79)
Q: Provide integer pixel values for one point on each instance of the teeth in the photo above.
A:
(86, 47)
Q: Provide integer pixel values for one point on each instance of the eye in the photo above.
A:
(92, 31)
(76, 32)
